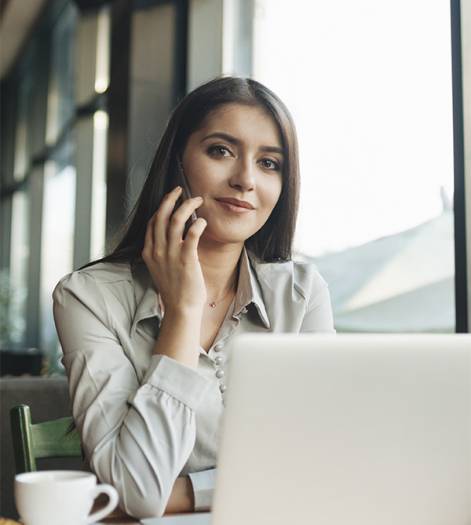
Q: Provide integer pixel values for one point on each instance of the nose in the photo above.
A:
(243, 176)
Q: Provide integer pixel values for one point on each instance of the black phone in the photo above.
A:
(186, 194)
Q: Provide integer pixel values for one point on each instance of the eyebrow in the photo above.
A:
(233, 140)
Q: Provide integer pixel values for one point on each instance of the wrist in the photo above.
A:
(179, 336)
(181, 498)
(189, 497)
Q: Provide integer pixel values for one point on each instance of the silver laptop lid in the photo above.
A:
(346, 429)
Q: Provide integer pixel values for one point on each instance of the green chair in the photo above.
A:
(55, 438)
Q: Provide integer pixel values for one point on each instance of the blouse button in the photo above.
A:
(222, 388)
(218, 359)
(219, 373)
(218, 348)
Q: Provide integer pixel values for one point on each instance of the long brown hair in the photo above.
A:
(273, 242)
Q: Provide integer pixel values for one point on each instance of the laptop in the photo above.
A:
(345, 429)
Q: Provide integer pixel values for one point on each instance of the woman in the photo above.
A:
(144, 331)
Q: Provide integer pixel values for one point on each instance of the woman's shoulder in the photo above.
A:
(303, 275)
(108, 272)
(102, 290)
(95, 275)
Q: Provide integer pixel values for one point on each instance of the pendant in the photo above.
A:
(212, 305)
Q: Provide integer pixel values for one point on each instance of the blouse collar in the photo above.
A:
(248, 292)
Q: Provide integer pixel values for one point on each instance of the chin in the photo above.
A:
(228, 235)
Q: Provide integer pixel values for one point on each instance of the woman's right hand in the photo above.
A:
(173, 261)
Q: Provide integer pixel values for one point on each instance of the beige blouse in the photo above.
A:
(146, 419)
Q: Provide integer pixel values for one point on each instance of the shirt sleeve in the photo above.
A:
(203, 483)
(319, 316)
(137, 436)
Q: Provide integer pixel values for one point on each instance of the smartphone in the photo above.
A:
(186, 194)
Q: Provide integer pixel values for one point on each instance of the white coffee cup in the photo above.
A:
(56, 497)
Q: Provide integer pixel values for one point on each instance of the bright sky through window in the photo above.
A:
(369, 86)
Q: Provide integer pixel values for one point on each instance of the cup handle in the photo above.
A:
(112, 494)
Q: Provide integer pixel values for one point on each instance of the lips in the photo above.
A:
(236, 202)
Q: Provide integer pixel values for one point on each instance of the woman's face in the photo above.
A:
(237, 154)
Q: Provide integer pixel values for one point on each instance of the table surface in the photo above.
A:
(117, 517)
(124, 520)
(120, 520)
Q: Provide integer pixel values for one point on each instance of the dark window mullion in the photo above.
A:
(461, 285)
(118, 112)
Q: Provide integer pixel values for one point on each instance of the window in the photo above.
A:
(61, 99)
(58, 207)
(57, 239)
(19, 235)
(374, 120)
(98, 209)
(19, 254)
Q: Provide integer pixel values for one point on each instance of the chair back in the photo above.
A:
(54, 438)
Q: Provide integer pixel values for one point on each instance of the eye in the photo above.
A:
(216, 150)
(275, 164)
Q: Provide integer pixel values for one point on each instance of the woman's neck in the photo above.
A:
(220, 268)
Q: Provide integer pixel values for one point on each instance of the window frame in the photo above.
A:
(461, 56)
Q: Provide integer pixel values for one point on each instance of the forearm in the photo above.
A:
(141, 459)
(179, 336)
(182, 498)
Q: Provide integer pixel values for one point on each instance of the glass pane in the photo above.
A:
(61, 81)
(374, 119)
(56, 242)
(102, 73)
(17, 282)
(22, 145)
(98, 215)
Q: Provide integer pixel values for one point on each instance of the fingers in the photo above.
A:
(163, 215)
(177, 224)
(190, 246)
(164, 233)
